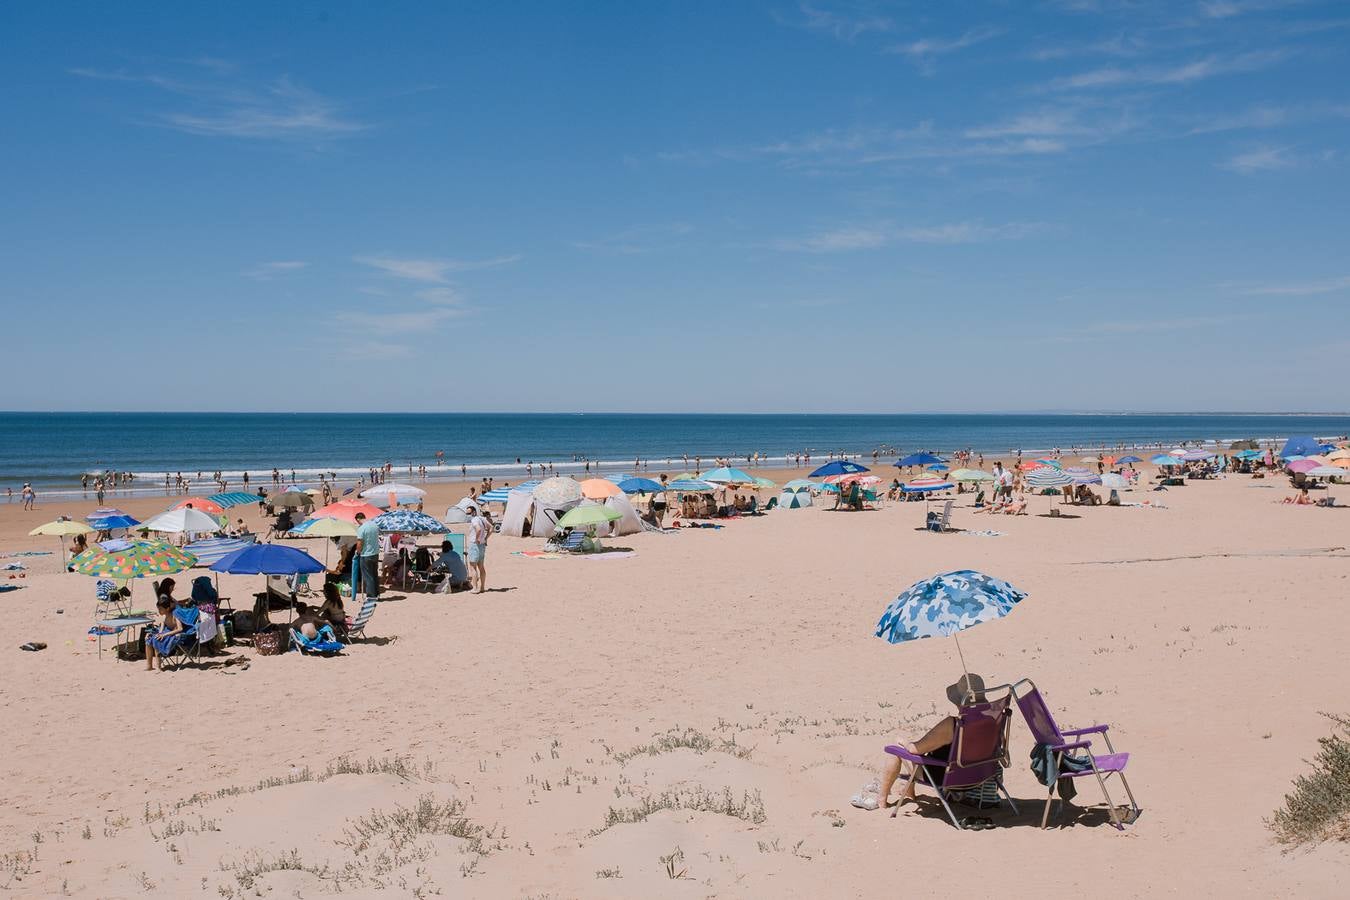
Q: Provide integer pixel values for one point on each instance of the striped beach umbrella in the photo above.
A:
(233, 498)
(926, 484)
(137, 559)
(496, 495)
(1081, 475)
(1048, 477)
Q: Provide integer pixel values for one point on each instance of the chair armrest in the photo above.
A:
(1075, 732)
(914, 757)
(1060, 748)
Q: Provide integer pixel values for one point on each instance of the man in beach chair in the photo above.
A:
(960, 757)
(1061, 756)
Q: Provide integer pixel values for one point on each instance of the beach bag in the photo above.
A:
(270, 643)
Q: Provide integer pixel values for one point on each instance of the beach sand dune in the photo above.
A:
(692, 720)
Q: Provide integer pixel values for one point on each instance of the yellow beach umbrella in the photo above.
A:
(61, 528)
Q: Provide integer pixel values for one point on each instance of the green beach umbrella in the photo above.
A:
(765, 483)
(584, 516)
(969, 475)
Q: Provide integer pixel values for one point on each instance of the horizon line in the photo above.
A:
(386, 412)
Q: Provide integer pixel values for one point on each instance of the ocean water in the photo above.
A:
(53, 449)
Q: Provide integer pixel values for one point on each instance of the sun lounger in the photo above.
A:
(325, 643)
(1059, 743)
(976, 757)
(572, 542)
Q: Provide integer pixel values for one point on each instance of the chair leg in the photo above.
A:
(1049, 798)
(909, 786)
(1007, 796)
(1110, 807)
(1134, 805)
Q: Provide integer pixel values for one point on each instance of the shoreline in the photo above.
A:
(150, 483)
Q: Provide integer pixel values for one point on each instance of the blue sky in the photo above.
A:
(814, 206)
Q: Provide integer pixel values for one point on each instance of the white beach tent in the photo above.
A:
(523, 506)
(459, 513)
(628, 521)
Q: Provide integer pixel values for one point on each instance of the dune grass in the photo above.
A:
(1318, 808)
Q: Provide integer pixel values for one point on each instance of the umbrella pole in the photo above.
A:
(964, 670)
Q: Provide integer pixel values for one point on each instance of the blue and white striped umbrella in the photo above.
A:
(497, 495)
(1081, 475)
(945, 604)
(233, 498)
(1048, 477)
(409, 522)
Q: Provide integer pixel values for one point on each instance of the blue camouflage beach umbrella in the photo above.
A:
(946, 604)
(838, 467)
(1127, 459)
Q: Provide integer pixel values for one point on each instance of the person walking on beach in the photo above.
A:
(29, 496)
(368, 539)
(480, 529)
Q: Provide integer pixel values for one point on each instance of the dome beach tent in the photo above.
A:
(541, 505)
(628, 522)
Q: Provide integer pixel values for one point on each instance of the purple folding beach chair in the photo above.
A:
(1103, 766)
(977, 755)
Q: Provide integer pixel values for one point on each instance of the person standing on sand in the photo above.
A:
(480, 529)
(29, 496)
(368, 539)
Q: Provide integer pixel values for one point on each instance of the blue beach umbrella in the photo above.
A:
(726, 475)
(497, 495)
(691, 486)
(946, 604)
(938, 467)
(233, 498)
(267, 559)
(640, 486)
(917, 459)
(1128, 459)
(838, 467)
(108, 523)
(1165, 459)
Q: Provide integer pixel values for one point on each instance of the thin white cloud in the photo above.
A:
(227, 106)
(1299, 288)
(1197, 70)
(414, 321)
(1109, 329)
(851, 238)
(1269, 116)
(843, 22)
(637, 240)
(925, 51)
(431, 271)
(269, 270)
(1228, 9)
(1262, 159)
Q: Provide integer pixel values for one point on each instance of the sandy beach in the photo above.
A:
(692, 720)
